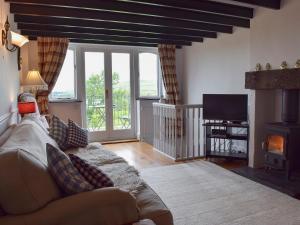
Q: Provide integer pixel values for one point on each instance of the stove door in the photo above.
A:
(276, 144)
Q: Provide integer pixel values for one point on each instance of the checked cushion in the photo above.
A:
(91, 173)
(77, 136)
(59, 132)
(64, 173)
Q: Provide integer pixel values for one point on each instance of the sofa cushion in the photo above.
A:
(64, 173)
(91, 173)
(26, 184)
(152, 207)
(59, 132)
(77, 136)
(30, 138)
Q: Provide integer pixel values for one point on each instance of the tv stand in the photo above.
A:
(226, 140)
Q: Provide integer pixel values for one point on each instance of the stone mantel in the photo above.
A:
(273, 79)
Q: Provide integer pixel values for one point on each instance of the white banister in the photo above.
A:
(177, 130)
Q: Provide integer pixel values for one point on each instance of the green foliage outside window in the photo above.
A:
(95, 96)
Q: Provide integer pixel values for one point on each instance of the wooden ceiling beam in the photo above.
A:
(129, 8)
(39, 27)
(80, 41)
(101, 25)
(206, 6)
(273, 4)
(96, 37)
(84, 41)
(61, 12)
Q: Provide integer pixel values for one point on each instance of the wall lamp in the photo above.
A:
(17, 41)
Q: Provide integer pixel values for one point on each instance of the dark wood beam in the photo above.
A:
(83, 41)
(80, 41)
(206, 6)
(116, 7)
(43, 20)
(109, 16)
(102, 37)
(39, 27)
(273, 4)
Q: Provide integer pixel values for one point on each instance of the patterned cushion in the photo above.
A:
(77, 137)
(91, 173)
(64, 173)
(59, 132)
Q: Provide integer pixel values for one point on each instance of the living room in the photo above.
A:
(133, 81)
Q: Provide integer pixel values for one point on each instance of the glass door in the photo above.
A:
(109, 95)
(96, 110)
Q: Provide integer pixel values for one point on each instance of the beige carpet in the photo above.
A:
(202, 193)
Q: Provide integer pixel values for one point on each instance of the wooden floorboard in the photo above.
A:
(142, 155)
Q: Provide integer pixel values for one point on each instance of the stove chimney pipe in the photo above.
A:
(290, 106)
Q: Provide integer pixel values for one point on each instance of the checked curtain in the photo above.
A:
(167, 55)
(52, 52)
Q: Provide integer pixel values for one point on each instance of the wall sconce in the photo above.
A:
(17, 41)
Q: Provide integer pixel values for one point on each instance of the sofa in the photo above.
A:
(30, 196)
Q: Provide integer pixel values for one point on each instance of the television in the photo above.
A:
(225, 107)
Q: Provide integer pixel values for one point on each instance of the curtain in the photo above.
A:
(52, 52)
(167, 55)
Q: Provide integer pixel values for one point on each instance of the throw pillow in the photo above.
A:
(77, 137)
(59, 132)
(91, 173)
(64, 173)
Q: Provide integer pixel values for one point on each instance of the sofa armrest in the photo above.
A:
(106, 206)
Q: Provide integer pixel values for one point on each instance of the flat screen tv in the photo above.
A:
(225, 107)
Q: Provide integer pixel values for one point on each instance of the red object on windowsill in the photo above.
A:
(26, 107)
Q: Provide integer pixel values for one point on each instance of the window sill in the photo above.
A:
(65, 101)
(148, 98)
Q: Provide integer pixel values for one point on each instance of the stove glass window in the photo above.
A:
(276, 144)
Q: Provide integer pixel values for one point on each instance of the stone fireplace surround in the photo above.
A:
(265, 101)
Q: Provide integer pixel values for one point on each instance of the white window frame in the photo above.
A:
(73, 48)
(159, 79)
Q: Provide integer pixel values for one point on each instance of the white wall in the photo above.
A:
(9, 74)
(219, 66)
(216, 66)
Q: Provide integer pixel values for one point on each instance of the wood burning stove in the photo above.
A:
(282, 142)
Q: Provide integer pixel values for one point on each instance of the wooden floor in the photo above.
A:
(142, 155)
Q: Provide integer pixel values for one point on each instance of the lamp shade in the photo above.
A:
(26, 107)
(18, 39)
(34, 79)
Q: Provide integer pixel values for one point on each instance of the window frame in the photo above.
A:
(75, 99)
(159, 79)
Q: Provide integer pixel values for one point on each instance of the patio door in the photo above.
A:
(109, 95)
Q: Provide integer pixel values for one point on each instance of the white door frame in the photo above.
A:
(109, 134)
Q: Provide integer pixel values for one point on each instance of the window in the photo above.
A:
(64, 88)
(148, 75)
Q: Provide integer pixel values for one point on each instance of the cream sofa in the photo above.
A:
(29, 195)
